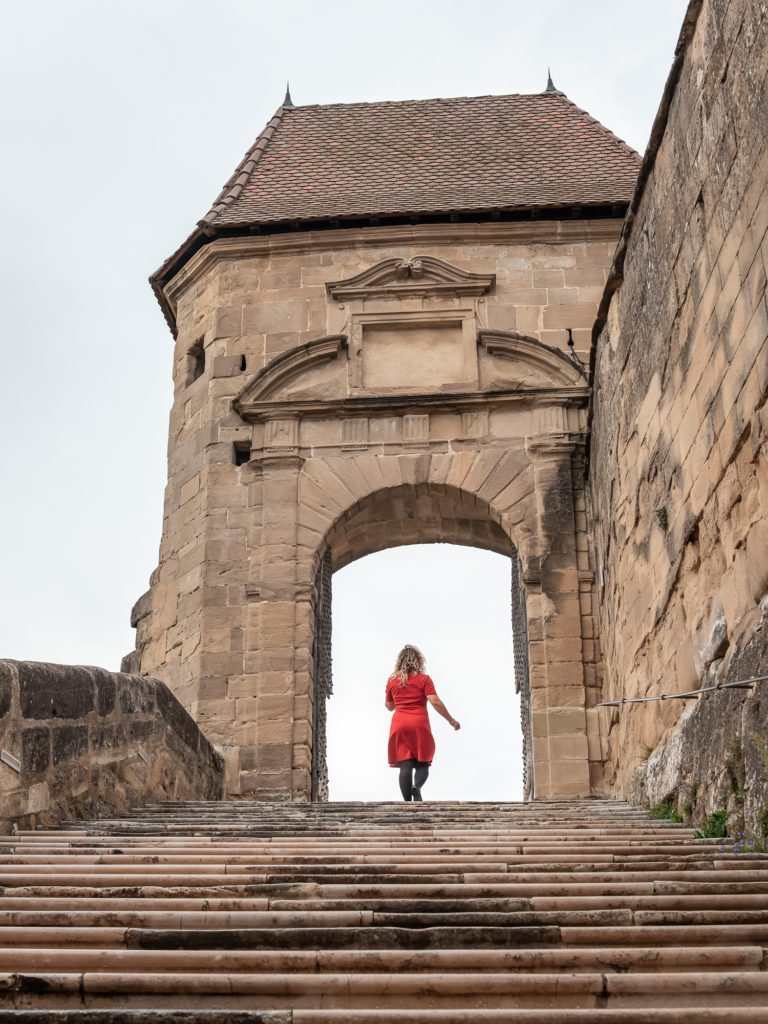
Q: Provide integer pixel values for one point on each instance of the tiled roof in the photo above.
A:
(419, 158)
(426, 157)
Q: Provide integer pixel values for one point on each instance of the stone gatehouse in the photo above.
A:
(482, 321)
(374, 350)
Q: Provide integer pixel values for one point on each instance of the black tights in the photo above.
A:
(413, 775)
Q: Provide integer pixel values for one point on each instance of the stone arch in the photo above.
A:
(491, 485)
(419, 513)
(525, 488)
(399, 403)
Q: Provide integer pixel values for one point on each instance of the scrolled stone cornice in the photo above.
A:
(420, 275)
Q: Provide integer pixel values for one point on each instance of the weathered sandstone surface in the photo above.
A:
(91, 741)
(717, 757)
(679, 449)
(356, 390)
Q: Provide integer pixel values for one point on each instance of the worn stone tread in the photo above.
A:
(541, 960)
(383, 913)
(726, 1015)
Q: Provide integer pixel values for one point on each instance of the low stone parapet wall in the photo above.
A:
(78, 741)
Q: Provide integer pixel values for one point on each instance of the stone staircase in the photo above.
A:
(445, 912)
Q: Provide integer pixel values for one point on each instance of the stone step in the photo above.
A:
(702, 1015)
(327, 841)
(717, 901)
(402, 890)
(591, 807)
(323, 918)
(605, 960)
(286, 861)
(521, 853)
(360, 853)
(556, 871)
(394, 851)
(393, 936)
(383, 912)
(217, 990)
(508, 884)
(373, 937)
(542, 835)
(187, 875)
(372, 811)
(439, 915)
(310, 852)
(399, 826)
(613, 892)
(668, 935)
(384, 886)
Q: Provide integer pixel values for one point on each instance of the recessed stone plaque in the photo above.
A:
(414, 357)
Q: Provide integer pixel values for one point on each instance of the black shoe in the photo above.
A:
(416, 793)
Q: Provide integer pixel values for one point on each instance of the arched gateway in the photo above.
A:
(346, 387)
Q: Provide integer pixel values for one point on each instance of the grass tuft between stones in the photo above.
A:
(666, 811)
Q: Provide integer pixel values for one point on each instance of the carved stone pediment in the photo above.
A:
(422, 275)
(313, 371)
(512, 360)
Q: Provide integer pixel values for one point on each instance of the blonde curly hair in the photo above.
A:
(410, 661)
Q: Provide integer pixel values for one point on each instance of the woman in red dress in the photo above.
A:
(411, 744)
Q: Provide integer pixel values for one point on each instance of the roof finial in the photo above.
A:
(288, 103)
(550, 83)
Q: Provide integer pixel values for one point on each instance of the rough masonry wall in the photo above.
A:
(679, 460)
(88, 741)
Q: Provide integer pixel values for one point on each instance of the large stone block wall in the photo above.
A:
(679, 452)
(228, 620)
(90, 741)
(717, 757)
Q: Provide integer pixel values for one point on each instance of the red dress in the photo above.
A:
(409, 732)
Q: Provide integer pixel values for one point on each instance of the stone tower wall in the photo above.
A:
(679, 459)
(252, 499)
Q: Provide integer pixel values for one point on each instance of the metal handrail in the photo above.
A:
(741, 684)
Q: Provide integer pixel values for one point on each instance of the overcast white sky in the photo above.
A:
(120, 120)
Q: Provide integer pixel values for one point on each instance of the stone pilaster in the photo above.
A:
(322, 675)
(558, 698)
(279, 674)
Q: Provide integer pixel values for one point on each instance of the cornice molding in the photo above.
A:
(573, 397)
(539, 232)
(553, 446)
(280, 460)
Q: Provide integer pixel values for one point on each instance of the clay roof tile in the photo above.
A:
(426, 156)
(413, 158)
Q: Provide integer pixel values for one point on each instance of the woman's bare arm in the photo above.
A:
(441, 709)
